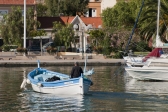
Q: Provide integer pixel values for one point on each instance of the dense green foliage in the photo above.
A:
(122, 15)
(98, 36)
(41, 10)
(66, 7)
(64, 35)
(13, 24)
(149, 17)
(121, 19)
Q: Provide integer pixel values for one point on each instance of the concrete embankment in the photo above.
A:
(59, 62)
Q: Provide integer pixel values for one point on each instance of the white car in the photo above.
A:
(45, 46)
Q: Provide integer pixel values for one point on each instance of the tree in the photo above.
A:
(41, 10)
(120, 16)
(120, 20)
(98, 36)
(12, 26)
(66, 7)
(52, 7)
(148, 20)
(102, 41)
(31, 23)
(74, 7)
(64, 35)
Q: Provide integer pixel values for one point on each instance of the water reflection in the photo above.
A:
(105, 83)
(38, 102)
(147, 87)
(150, 95)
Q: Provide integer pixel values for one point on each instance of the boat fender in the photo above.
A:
(39, 85)
(23, 83)
(36, 71)
(28, 81)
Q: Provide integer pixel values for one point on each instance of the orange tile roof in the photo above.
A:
(47, 22)
(94, 21)
(17, 2)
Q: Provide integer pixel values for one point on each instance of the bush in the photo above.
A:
(51, 50)
(6, 48)
(98, 49)
(117, 55)
(20, 49)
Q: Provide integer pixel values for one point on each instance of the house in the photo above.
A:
(5, 5)
(94, 8)
(83, 24)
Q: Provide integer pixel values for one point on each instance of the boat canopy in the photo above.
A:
(155, 53)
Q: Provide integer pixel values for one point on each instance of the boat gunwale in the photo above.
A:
(35, 81)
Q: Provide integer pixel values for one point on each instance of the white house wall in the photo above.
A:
(107, 3)
(94, 13)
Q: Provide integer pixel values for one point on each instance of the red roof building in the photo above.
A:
(47, 22)
(5, 5)
(94, 21)
(17, 2)
(81, 22)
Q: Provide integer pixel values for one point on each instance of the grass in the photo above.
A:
(141, 53)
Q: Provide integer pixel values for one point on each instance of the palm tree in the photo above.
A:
(148, 20)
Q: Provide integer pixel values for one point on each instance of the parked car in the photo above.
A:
(48, 44)
(88, 49)
(33, 48)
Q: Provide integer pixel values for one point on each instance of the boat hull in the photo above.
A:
(38, 78)
(148, 73)
(67, 88)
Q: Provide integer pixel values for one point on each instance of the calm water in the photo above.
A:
(113, 90)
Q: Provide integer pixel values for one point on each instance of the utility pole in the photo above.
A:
(24, 26)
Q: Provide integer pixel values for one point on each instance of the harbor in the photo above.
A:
(113, 90)
(52, 61)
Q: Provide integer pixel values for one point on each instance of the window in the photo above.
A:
(3, 12)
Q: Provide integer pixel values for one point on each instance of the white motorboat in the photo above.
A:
(46, 81)
(157, 53)
(148, 73)
(153, 69)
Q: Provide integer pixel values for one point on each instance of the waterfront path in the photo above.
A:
(59, 62)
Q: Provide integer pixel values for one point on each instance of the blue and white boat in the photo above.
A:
(46, 81)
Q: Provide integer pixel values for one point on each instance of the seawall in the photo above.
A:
(59, 62)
